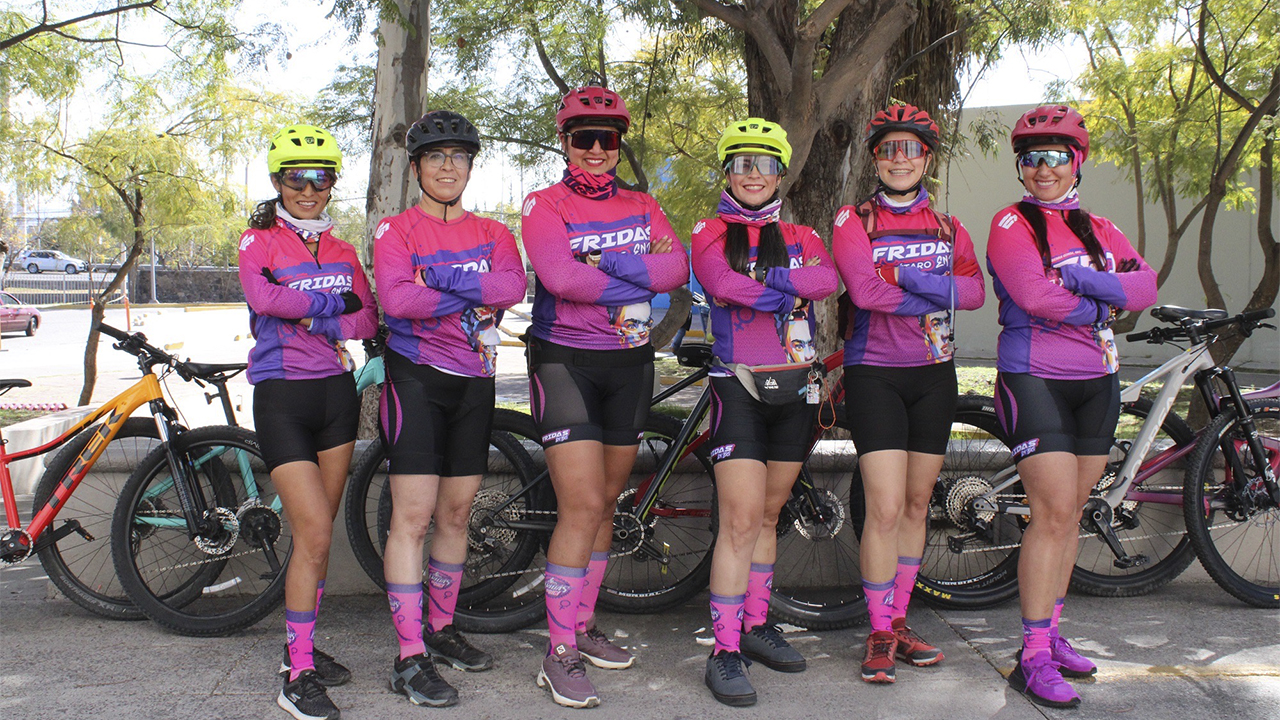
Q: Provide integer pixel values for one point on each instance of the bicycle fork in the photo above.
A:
(1249, 498)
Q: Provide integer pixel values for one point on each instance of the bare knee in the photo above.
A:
(453, 519)
(883, 518)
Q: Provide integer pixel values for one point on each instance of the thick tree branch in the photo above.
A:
(817, 22)
(843, 76)
(1212, 70)
(755, 24)
(45, 26)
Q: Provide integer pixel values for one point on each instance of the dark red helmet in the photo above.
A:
(1051, 124)
(907, 118)
(592, 104)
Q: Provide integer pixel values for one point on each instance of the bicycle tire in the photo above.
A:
(1154, 528)
(1240, 553)
(80, 568)
(673, 563)
(173, 581)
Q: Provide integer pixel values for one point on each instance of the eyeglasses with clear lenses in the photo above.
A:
(742, 164)
(910, 149)
(1051, 158)
(434, 159)
(297, 178)
(587, 139)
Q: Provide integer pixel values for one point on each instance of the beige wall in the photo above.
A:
(978, 186)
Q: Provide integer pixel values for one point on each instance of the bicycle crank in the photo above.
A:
(1097, 519)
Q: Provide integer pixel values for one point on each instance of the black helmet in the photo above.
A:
(441, 127)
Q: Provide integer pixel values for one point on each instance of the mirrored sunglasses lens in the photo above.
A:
(911, 149)
(766, 164)
(298, 179)
(1051, 158)
(587, 139)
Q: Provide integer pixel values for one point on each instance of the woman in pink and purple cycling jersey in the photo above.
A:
(307, 296)
(444, 276)
(1061, 275)
(600, 253)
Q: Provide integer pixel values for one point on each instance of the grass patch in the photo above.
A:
(13, 417)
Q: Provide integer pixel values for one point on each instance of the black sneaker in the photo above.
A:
(329, 672)
(726, 677)
(450, 646)
(416, 678)
(305, 699)
(765, 645)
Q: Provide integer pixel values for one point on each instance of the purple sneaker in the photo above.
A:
(596, 648)
(566, 677)
(1073, 664)
(1039, 679)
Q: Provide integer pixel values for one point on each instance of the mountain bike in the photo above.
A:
(82, 481)
(1134, 532)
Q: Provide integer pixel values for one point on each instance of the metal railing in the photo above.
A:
(55, 288)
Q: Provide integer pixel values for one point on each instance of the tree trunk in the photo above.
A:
(400, 86)
(99, 305)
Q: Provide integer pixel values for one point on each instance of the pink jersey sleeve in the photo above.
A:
(809, 282)
(393, 272)
(502, 286)
(363, 323)
(867, 290)
(722, 282)
(1012, 254)
(1132, 290)
(965, 278)
(267, 297)
(659, 272)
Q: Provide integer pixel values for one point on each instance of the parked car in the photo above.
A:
(16, 315)
(40, 260)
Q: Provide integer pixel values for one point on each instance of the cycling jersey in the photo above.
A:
(605, 307)
(471, 270)
(907, 324)
(283, 283)
(1055, 320)
(757, 323)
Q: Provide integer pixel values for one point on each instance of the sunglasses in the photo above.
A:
(297, 178)
(434, 159)
(587, 139)
(910, 149)
(1051, 158)
(743, 164)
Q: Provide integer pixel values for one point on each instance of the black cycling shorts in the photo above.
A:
(434, 423)
(600, 395)
(296, 419)
(1041, 415)
(743, 428)
(900, 408)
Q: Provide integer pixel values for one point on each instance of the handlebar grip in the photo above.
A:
(1137, 337)
(116, 333)
(1256, 315)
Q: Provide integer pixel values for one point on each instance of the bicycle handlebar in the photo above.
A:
(1248, 322)
(136, 344)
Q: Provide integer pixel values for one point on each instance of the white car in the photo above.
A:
(40, 260)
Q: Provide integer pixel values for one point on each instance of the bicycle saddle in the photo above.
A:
(1173, 313)
(7, 385)
(206, 370)
(693, 354)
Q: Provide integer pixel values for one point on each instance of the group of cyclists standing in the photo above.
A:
(600, 253)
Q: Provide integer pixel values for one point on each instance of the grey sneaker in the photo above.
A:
(416, 678)
(765, 645)
(329, 672)
(595, 647)
(449, 645)
(566, 677)
(727, 679)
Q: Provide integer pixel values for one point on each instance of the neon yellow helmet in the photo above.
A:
(754, 135)
(304, 145)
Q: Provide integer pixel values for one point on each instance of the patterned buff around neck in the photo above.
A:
(306, 229)
(730, 210)
(589, 185)
(1070, 201)
(919, 201)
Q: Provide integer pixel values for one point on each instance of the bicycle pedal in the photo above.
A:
(1129, 562)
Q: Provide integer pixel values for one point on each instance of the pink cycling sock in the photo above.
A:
(879, 604)
(591, 590)
(319, 594)
(726, 621)
(903, 582)
(563, 593)
(755, 611)
(444, 580)
(1035, 637)
(406, 614)
(1056, 616)
(300, 629)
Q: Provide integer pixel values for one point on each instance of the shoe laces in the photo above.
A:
(308, 685)
(881, 647)
(1043, 669)
(731, 664)
(906, 633)
(597, 636)
(1061, 646)
(572, 665)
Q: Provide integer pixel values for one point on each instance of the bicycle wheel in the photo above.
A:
(665, 559)
(81, 568)
(215, 584)
(497, 557)
(1237, 542)
(1149, 524)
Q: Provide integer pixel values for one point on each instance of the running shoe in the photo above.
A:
(566, 677)
(765, 645)
(449, 645)
(416, 678)
(726, 677)
(877, 665)
(305, 698)
(329, 672)
(912, 649)
(1040, 680)
(596, 648)
(1071, 663)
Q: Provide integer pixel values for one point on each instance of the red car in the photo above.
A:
(16, 315)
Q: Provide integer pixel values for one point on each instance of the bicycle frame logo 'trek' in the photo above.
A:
(81, 465)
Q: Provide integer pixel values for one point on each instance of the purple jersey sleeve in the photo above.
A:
(271, 298)
(857, 266)
(721, 282)
(659, 272)
(394, 274)
(1013, 257)
(501, 287)
(809, 282)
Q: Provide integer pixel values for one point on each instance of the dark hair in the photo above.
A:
(770, 252)
(1077, 220)
(263, 216)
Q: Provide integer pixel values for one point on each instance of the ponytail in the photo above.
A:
(770, 252)
(1079, 222)
(263, 216)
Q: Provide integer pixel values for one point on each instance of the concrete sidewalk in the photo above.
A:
(1189, 650)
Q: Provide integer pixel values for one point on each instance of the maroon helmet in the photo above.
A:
(908, 118)
(592, 104)
(1050, 124)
